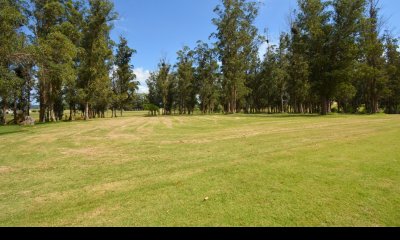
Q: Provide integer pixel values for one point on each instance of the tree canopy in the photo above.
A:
(333, 51)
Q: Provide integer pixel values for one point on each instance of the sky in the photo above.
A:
(159, 28)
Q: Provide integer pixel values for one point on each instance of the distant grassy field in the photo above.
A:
(255, 170)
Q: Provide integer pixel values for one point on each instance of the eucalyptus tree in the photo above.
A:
(265, 90)
(206, 75)
(346, 18)
(280, 70)
(313, 24)
(11, 21)
(73, 28)
(163, 81)
(392, 68)
(125, 86)
(373, 77)
(94, 77)
(154, 95)
(47, 14)
(235, 36)
(186, 87)
(298, 69)
(58, 55)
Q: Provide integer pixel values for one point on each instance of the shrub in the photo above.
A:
(362, 109)
(335, 107)
(153, 109)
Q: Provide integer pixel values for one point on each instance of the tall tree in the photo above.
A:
(347, 15)
(265, 90)
(298, 70)
(58, 54)
(154, 95)
(392, 68)
(11, 20)
(280, 71)
(125, 86)
(47, 15)
(94, 77)
(163, 83)
(373, 76)
(186, 89)
(313, 23)
(73, 29)
(235, 36)
(206, 74)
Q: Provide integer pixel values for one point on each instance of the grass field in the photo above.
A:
(255, 170)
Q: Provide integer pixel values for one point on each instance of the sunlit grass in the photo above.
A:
(256, 170)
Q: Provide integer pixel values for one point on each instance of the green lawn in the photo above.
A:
(257, 170)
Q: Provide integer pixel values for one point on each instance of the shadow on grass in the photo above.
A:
(284, 115)
(6, 131)
(264, 115)
(11, 132)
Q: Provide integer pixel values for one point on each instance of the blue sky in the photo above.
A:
(159, 28)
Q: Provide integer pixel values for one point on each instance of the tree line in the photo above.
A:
(335, 52)
(62, 50)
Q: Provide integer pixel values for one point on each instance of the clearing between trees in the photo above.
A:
(215, 170)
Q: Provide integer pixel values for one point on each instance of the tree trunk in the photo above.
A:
(70, 112)
(3, 115)
(42, 102)
(15, 111)
(329, 106)
(324, 106)
(42, 111)
(52, 114)
(86, 111)
(374, 104)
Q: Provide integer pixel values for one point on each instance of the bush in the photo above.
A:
(153, 109)
(219, 109)
(335, 107)
(362, 109)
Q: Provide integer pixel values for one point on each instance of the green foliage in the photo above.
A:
(186, 88)
(236, 44)
(374, 78)
(392, 69)
(11, 43)
(56, 54)
(163, 84)
(206, 75)
(153, 109)
(124, 85)
(154, 95)
(362, 109)
(333, 52)
(96, 60)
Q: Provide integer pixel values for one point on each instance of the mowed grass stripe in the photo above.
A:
(294, 171)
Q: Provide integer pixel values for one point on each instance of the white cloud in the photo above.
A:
(142, 75)
(262, 50)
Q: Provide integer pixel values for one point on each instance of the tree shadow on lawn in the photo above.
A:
(279, 115)
(11, 131)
